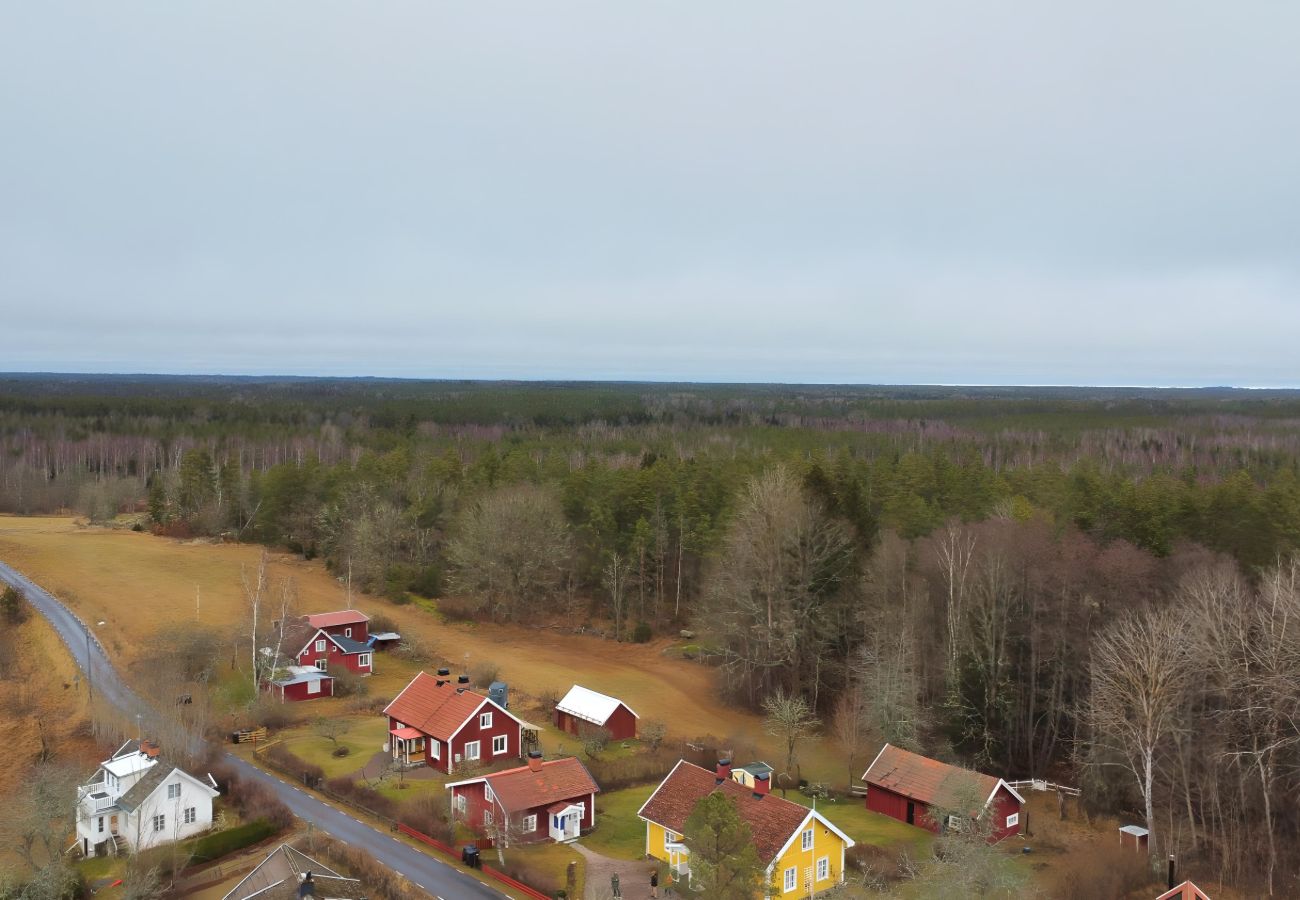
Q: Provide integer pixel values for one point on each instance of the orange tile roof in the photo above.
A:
(341, 617)
(437, 711)
(928, 780)
(559, 779)
(771, 820)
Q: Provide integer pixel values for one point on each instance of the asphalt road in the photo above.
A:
(426, 872)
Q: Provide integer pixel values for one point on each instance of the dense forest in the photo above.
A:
(1095, 584)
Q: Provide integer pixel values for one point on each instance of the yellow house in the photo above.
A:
(803, 852)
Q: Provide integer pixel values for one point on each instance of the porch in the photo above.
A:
(565, 821)
(406, 746)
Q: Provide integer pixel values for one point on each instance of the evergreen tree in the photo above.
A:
(724, 863)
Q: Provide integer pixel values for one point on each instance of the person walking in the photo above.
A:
(613, 883)
(654, 882)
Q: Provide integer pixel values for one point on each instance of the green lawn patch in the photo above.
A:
(619, 833)
(851, 816)
(364, 739)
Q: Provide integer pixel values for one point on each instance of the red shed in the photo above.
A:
(300, 683)
(907, 786)
(582, 706)
(438, 723)
(553, 800)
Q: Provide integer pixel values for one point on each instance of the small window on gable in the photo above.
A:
(808, 839)
(173, 791)
(347, 632)
(485, 720)
(1013, 820)
(320, 646)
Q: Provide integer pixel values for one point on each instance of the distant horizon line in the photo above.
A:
(34, 374)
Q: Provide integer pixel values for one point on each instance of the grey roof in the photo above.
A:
(284, 864)
(758, 768)
(302, 678)
(148, 783)
(349, 646)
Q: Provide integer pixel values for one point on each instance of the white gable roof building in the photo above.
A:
(583, 705)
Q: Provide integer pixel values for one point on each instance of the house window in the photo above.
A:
(1013, 820)
(954, 822)
(322, 664)
(471, 750)
(320, 646)
(173, 792)
(808, 839)
(530, 824)
(485, 720)
(363, 660)
(191, 815)
(159, 822)
(500, 744)
(347, 632)
(823, 868)
(791, 879)
(460, 803)
(313, 686)
(435, 749)
(669, 837)
(487, 817)
(101, 824)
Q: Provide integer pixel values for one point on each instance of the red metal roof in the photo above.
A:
(404, 733)
(771, 820)
(438, 711)
(928, 780)
(340, 617)
(560, 780)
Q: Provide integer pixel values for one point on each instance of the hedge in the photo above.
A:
(219, 843)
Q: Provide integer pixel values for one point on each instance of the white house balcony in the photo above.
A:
(97, 801)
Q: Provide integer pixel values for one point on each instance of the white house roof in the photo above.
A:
(1135, 830)
(130, 764)
(301, 675)
(590, 706)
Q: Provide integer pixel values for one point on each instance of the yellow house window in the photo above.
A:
(823, 868)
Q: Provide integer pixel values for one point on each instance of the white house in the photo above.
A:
(136, 800)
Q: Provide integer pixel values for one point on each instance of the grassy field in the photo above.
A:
(619, 833)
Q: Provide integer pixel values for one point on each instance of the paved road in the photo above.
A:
(428, 873)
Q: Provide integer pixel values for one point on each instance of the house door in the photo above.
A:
(911, 813)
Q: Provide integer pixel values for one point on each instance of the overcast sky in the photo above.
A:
(935, 192)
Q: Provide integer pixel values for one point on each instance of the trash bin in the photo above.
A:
(469, 856)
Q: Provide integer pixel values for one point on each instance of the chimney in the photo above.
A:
(441, 682)
(1171, 871)
(724, 770)
(463, 679)
(443, 673)
(535, 760)
(762, 784)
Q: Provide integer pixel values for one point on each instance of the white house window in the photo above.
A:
(435, 749)
(190, 815)
(808, 839)
(1013, 820)
(823, 868)
(954, 822)
(460, 803)
(471, 750)
(530, 824)
(313, 686)
(320, 646)
(173, 791)
(159, 822)
(322, 664)
(363, 659)
(487, 793)
(485, 720)
(499, 744)
(487, 817)
(347, 632)
(791, 879)
(101, 824)
(669, 837)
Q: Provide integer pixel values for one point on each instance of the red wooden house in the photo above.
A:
(553, 800)
(309, 645)
(917, 790)
(348, 623)
(582, 707)
(436, 722)
(296, 683)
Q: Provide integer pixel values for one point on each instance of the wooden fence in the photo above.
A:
(1038, 784)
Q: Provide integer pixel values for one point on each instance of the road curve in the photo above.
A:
(429, 874)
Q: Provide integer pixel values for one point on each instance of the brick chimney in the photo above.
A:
(535, 760)
(762, 784)
(724, 770)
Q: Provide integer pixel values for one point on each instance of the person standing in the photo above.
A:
(654, 882)
(613, 883)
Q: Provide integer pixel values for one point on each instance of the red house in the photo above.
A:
(300, 683)
(914, 789)
(581, 706)
(440, 724)
(348, 623)
(553, 800)
(310, 645)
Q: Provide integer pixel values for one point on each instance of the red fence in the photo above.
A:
(487, 870)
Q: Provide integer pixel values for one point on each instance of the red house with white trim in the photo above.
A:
(544, 800)
(582, 706)
(442, 724)
(348, 623)
(311, 646)
(914, 788)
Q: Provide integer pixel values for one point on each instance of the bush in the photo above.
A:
(427, 814)
(629, 771)
(381, 881)
(594, 739)
(269, 713)
(350, 684)
(536, 876)
(299, 769)
(251, 799)
(13, 606)
(220, 843)
(484, 673)
(460, 609)
(340, 751)
(642, 633)
(365, 797)
(427, 582)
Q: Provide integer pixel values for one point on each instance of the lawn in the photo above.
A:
(364, 738)
(546, 857)
(619, 833)
(865, 827)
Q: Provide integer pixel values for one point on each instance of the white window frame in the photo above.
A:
(347, 632)
(485, 720)
(191, 815)
(313, 686)
(159, 822)
(954, 822)
(529, 824)
(460, 804)
(807, 839)
(487, 818)
(790, 880)
(504, 741)
(435, 748)
(101, 824)
(471, 751)
(1013, 820)
(320, 646)
(322, 665)
(363, 659)
(669, 838)
(823, 868)
(174, 791)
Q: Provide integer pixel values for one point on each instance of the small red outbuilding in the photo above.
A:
(581, 706)
(914, 789)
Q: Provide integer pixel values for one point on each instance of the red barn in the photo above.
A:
(300, 683)
(438, 723)
(553, 800)
(348, 623)
(914, 788)
(581, 706)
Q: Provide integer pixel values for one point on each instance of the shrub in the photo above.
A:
(251, 799)
(593, 740)
(427, 814)
(653, 733)
(629, 771)
(365, 797)
(269, 713)
(533, 874)
(219, 843)
(427, 582)
(484, 673)
(349, 684)
(299, 769)
(642, 633)
(381, 881)
(459, 609)
(13, 606)
(340, 751)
